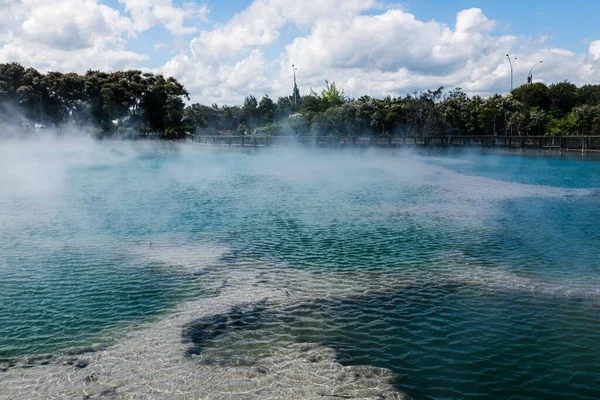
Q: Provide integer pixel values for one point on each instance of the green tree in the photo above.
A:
(586, 119)
(250, 112)
(589, 94)
(563, 126)
(563, 97)
(534, 95)
(267, 110)
(332, 96)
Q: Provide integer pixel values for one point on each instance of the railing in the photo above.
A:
(581, 143)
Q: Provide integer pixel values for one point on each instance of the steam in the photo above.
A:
(69, 185)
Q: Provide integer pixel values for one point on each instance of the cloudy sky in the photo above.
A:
(224, 50)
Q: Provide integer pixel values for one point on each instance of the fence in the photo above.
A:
(567, 143)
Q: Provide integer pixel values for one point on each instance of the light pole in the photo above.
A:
(530, 77)
(511, 61)
(294, 69)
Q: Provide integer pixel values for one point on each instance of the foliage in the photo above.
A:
(561, 109)
(563, 126)
(128, 103)
(116, 102)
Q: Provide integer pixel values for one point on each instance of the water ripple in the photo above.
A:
(458, 277)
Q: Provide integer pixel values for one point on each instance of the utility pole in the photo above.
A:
(294, 69)
(530, 77)
(511, 61)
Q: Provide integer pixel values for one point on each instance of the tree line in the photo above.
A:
(124, 102)
(130, 103)
(530, 110)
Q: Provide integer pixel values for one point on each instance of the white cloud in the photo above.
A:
(147, 13)
(259, 25)
(11, 13)
(73, 24)
(385, 51)
(55, 59)
(473, 20)
(595, 49)
(222, 84)
(366, 47)
(77, 35)
(71, 35)
(394, 52)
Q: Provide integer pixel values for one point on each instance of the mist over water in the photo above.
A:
(463, 275)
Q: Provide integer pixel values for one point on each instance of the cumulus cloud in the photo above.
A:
(77, 35)
(367, 47)
(260, 24)
(395, 53)
(225, 83)
(68, 35)
(147, 13)
(11, 13)
(595, 49)
(386, 51)
(65, 26)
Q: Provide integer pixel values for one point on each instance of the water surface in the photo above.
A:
(468, 275)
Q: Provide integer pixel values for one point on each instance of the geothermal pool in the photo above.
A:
(168, 271)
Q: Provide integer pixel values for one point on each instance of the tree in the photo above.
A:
(267, 110)
(332, 96)
(284, 107)
(589, 94)
(586, 119)
(563, 126)
(455, 111)
(250, 112)
(538, 121)
(425, 116)
(129, 102)
(563, 97)
(534, 95)
(491, 114)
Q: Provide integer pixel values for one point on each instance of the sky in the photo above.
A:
(223, 51)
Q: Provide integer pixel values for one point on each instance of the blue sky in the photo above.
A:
(224, 50)
(570, 24)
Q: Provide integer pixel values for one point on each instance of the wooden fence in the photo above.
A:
(566, 143)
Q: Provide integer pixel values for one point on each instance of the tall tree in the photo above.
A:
(267, 110)
(563, 97)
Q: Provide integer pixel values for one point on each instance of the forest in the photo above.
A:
(133, 103)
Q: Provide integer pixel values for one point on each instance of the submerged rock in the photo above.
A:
(82, 363)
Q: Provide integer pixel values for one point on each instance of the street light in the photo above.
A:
(511, 61)
(530, 77)
(294, 69)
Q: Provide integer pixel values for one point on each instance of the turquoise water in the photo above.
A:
(491, 261)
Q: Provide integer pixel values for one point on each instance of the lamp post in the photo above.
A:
(294, 69)
(530, 77)
(511, 61)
